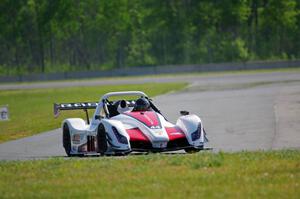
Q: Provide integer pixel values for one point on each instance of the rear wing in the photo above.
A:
(73, 106)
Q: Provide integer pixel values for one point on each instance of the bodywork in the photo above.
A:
(130, 130)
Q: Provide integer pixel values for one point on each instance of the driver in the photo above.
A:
(141, 104)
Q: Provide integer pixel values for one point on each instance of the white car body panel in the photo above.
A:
(150, 124)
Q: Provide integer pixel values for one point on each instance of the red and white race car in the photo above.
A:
(131, 123)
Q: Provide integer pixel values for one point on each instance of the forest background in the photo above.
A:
(45, 36)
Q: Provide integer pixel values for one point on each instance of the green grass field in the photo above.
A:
(273, 174)
(31, 111)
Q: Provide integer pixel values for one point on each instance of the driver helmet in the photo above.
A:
(142, 104)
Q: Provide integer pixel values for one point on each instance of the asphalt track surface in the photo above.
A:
(239, 112)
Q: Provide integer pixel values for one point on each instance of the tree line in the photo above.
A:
(74, 35)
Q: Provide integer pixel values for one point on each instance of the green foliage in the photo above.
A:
(271, 174)
(42, 35)
(34, 108)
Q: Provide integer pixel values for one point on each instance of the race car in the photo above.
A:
(130, 122)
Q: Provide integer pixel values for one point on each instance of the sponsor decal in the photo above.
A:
(73, 106)
(4, 115)
(155, 127)
(78, 105)
(159, 144)
(76, 138)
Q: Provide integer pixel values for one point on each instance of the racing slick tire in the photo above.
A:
(101, 139)
(67, 140)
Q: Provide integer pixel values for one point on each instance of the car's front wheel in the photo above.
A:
(101, 139)
(67, 139)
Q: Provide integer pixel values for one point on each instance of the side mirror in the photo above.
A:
(184, 113)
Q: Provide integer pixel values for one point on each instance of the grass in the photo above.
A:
(31, 111)
(273, 174)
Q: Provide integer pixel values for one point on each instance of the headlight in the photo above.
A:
(121, 138)
(196, 135)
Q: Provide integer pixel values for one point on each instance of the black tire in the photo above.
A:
(67, 139)
(101, 139)
(193, 150)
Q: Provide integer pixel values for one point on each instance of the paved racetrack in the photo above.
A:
(239, 112)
